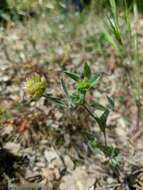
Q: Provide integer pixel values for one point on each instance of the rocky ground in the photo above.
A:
(48, 148)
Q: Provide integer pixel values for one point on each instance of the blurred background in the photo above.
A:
(50, 36)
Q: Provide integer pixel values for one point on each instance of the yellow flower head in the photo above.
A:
(35, 86)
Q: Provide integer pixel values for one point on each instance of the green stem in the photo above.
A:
(90, 113)
(95, 118)
(105, 138)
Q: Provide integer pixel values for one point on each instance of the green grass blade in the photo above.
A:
(113, 8)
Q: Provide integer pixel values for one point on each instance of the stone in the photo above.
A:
(79, 179)
(12, 147)
(69, 163)
(50, 155)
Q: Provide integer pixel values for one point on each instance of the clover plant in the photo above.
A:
(83, 83)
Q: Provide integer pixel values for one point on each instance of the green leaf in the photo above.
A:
(114, 163)
(103, 119)
(114, 155)
(111, 102)
(73, 76)
(98, 106)
(77, 98)
(94, 79)
(104, 116)
(112, 152)
(56, 100)
(65, 90)
(87, 71)
(94, 146)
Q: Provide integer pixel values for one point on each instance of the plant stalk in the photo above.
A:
(95, 118)
(89, 111)
(105, 138)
